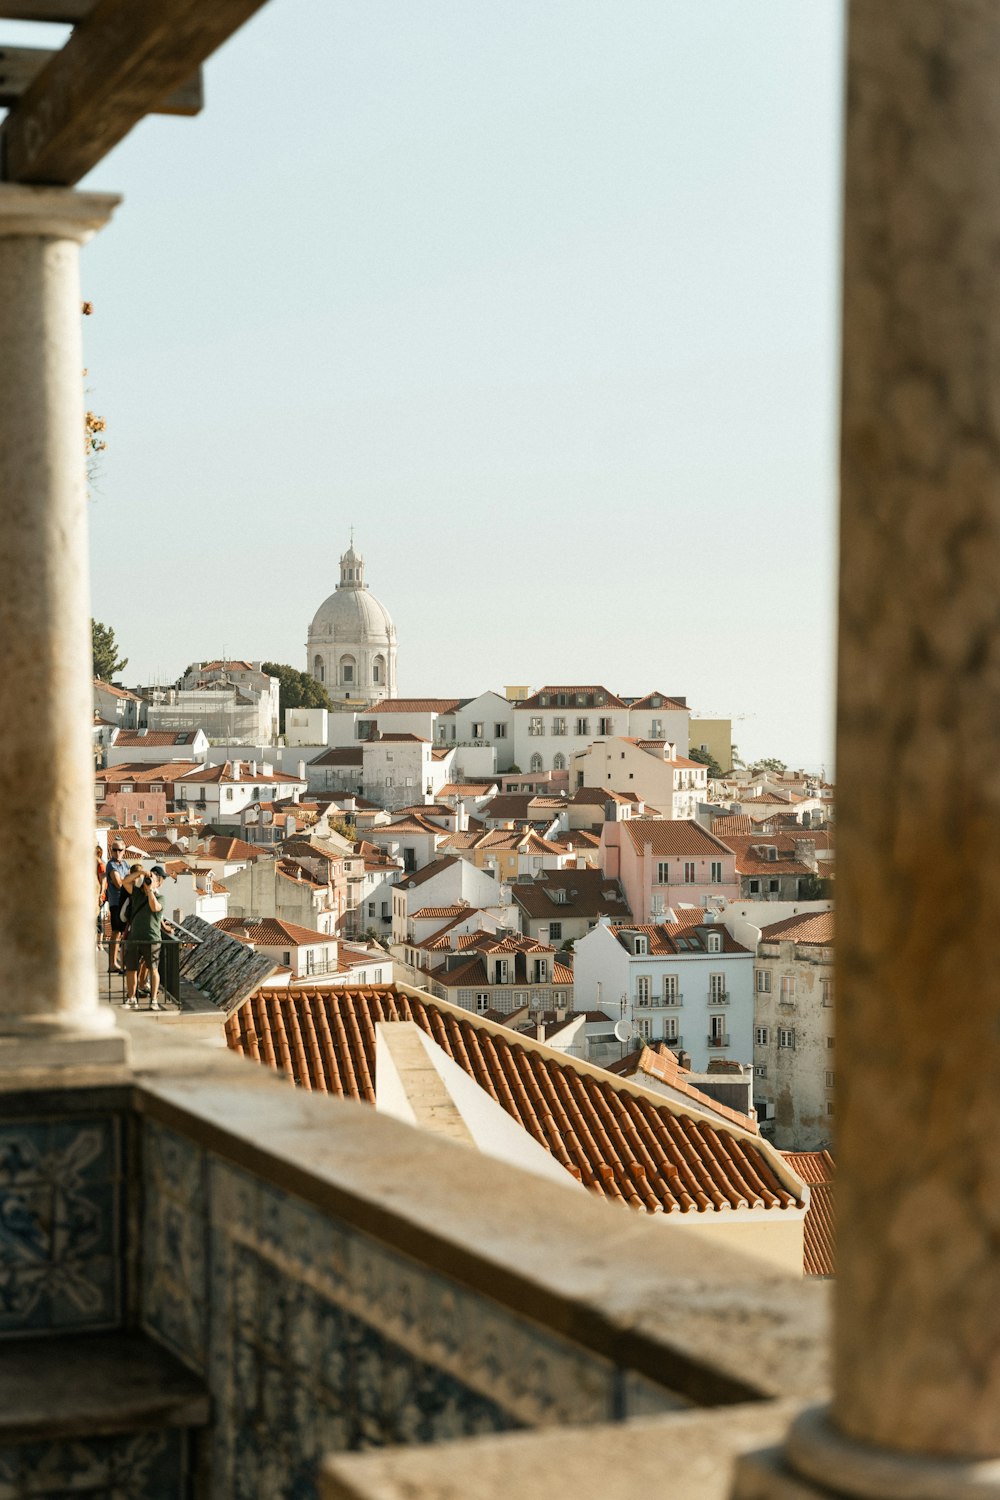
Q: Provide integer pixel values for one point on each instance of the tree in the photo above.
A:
(706, 758)
(106, 662)
(770, 763)
(296, 689)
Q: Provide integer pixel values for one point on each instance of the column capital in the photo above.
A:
(53, 212)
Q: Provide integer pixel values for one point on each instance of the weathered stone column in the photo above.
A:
(916, 1408)
(49, 1010)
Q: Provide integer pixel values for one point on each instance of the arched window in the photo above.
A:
(536, 762)
(318, 669)
(558, 762)
(347, 665)
(378, 669)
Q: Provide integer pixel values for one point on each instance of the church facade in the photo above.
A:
(351, 648)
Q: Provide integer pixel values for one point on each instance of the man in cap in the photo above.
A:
(144, 932)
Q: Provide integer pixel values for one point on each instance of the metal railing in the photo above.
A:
(718, 1041)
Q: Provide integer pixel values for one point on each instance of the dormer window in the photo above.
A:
(715, 942)
(641, 945)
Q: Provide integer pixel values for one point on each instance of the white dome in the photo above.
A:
(352, 640)
(353, 617)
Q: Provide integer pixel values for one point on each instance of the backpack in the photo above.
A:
(129, 907)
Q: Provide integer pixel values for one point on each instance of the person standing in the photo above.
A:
(117, 873)
(102, 895)
(144, 933)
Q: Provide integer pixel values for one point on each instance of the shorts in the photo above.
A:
(117, 925)
(136, 952)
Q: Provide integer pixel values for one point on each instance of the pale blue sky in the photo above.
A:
(541, 295)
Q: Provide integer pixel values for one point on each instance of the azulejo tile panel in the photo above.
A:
(61, 1189)
(175, 1237)
(139, 1466)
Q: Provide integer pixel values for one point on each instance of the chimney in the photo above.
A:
(236, 770)
(302, 770)
(253, 770)
(539, 1031)
(171, 834)
(683, 1058)
(805, 850)
(560, 1012)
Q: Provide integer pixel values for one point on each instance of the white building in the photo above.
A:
(476, 726)
(351, 647)
(794, 1032)
(400, 769)
(551, 725)
(220, 793)
(651, 770)
(155, 747)
(687, 983)
(446, 882)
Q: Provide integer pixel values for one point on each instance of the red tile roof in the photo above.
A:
(663, 1064)
(622, 1142)
(808, 928)
(751, 854)
(817, 1168)
(665, 702)
(133, 739)
(663, 936)
(732, 823)
(414, 706)
(672, 836)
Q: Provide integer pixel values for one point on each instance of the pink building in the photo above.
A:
(667, 862)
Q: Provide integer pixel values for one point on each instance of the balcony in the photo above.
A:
(307, 1278)
(535, 729)
(719, 1041)
(718, 997)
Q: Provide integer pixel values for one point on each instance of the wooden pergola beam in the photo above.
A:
(20, 66)
(120, 63)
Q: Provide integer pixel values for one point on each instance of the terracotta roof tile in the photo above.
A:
(672, 836)
(621, 1142)
(414, 706)
(817, 1169)
(272, 933)
(607, 700)
(815, 927)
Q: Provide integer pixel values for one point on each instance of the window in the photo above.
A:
(583, 726)
(385, 911)
(786, 1036)
(829, 1044)
(378, 669)
(754, 887)
(761, 1070)
(826, 988)
(477, 730)
(641, 946)
(671, 994)
(540, 972)
(760, 1036)
(499, 731)
(347, 665)
(482, 1001)
(555, 931)
(716, 871)
(829, 1106)
(655, 729)
(605, 726)
(643, 989)
(388, 781)
(409, 781)
(558, 726)
(535, 726)
(371, 908)
(717, 994)
(663, 872)
(717, 1031)
(763, 981)
(689, 872)
(500, 974)
(773, 886)
(715, 942)
(787, 989)
(670, 1032)
(318, 671)
(536, 763)
(830, 1076)
(558, 762)
(644, 1028)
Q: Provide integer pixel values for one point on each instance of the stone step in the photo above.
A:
(94, 1385)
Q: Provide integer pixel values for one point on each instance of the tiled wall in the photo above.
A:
(61, 1208)
(317, 1338)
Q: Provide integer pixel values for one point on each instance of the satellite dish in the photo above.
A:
(623, 1030)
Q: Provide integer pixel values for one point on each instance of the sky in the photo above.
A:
(540, 297)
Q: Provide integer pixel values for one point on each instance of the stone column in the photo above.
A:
(916, 1406)
(49, 1009)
